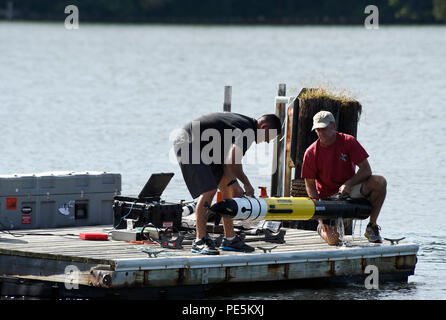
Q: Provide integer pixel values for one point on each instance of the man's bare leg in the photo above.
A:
(226, 192)
(328, 233)
(375, 188)
(200, 212)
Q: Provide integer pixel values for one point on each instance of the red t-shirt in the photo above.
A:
(332, 166)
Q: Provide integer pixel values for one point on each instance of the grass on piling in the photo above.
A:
(343, 95)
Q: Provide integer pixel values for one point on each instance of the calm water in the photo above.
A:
(107, 97)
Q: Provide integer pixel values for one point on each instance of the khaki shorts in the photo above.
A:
(355, 193)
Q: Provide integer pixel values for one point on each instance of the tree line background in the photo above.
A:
(231, 11)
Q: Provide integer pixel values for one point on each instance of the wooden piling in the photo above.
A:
(288, 163)
(227, 99)
(277, 169)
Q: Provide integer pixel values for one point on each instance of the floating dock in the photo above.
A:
(56, 263)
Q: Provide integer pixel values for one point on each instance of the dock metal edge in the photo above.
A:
(398, 261)
(264, 258)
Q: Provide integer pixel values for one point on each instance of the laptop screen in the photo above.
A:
(155, 186)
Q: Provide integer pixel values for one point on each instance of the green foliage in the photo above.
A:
(439, 10)
(412, 10)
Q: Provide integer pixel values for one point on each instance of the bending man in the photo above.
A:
(209, 151)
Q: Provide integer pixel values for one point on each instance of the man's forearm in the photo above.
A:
(233, 166)
(235, 171)
(361, 175)
(310, 186)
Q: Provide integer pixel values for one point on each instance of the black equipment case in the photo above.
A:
(148, 206)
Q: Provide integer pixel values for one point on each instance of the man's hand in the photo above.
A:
(363, 173)
(345, 189)
(249, 190)
(237, 191)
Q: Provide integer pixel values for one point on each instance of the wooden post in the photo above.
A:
(277, 175)
(288, 164)
(228, 98)
(294, 136)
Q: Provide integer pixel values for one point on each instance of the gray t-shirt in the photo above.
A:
(215, 133)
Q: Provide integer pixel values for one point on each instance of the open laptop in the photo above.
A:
(152, 190)
(155, 186)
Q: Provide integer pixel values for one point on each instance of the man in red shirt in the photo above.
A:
(329, 169)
